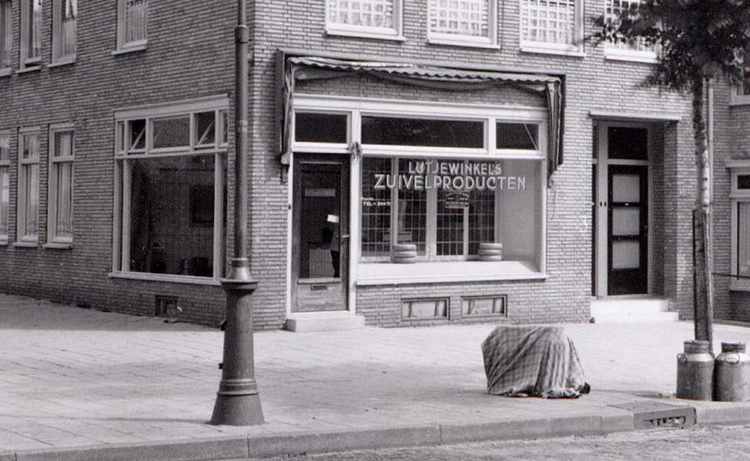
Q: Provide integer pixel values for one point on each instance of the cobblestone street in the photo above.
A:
(728, 443)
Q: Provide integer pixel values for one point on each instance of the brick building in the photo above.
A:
(412, 162)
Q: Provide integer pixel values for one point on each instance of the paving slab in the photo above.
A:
(75, 381)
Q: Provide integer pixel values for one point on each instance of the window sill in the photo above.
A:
(26, 245)
(186, 279)
(739, 100)
(463, 43)
(740, 285)
(573, 52)
(27, 70)
(58, 246)
(445, 272)
(643, 57)
(130, 49)
(63, 62)
(373, 35)
(3, 242)
(6, 72)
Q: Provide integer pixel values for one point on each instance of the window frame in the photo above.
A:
(737, 196)
(6, 36)
(123, 175)
(384, 33)
(5, 165)
(53, 239)
(122, 44)
(58, 37)
(374, 272)
(22, 204)
(467, 40)
(575, 49)
(33, 62)
(614, 53)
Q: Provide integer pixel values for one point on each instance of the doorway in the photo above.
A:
(320, 240)
(620, 252)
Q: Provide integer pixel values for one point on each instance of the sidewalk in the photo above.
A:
(81, 384)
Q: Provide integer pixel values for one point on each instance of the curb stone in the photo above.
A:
(363, 439)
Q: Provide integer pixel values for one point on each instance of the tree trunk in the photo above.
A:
(702, 247)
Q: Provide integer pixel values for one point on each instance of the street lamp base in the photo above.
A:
(237, 410)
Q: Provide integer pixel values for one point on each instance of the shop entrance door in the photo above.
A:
(320, 243)
(628, 230)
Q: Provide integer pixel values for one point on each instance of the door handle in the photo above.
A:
(345, 236)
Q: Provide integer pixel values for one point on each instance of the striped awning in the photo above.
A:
(305, 68)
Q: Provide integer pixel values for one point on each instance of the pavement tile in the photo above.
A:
(87, 378)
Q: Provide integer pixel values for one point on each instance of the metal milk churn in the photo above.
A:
(732, 373)
(695, 371)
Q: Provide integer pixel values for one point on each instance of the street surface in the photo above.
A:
(727, 443)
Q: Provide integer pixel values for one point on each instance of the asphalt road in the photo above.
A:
(696, 443)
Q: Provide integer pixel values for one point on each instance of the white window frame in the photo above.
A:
(22, 239)
(33, 62)
(121, 230)
(5, 165)
(53, 239)
(615, 53)
(374, 271)
(466, 40)
(384, 33)
(6, 36)
(57, 35)
(737, 196)
(737, 98)
(123, 45)
(574, 49)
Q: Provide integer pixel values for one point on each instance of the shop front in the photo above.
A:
(398, 192)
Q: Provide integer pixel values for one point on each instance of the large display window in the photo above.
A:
(450, 188)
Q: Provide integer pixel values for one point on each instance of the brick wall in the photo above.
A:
(190, 54)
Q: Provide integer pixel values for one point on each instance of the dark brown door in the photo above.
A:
(320, 233)
(628, 230)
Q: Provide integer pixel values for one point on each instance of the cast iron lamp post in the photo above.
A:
(238, 400)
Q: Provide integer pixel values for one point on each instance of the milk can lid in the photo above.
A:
(738, 346)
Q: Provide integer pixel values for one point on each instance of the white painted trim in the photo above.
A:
(22, 201)
(57, 13)
(619, 54)
(122, 45)
(436, 272)
(547, 48)
(148, 277)
(52, 185)
(737, 99)
(634, 117)
(467, 40)
(166, 109)
(33, 63)
(382, 33)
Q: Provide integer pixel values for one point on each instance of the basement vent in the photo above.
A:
(484, 306)
(167, 306)
(651, 415)
(424, 309)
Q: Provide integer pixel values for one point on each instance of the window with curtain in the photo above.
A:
(4, 187)
(550, 22)
(31, 33)
(376, 17)
(465, 21)
(614, 7)
(60, 216)
(64, 30)
(28, 187)
(6, 33)
(132, 23)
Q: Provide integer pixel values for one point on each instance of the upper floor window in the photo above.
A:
(64, 30)
(463, 22)
(4, 187)
(31, 33)
(132, 23)
(6, 33)
(552, 25)
(364, 18)
(634, 50)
